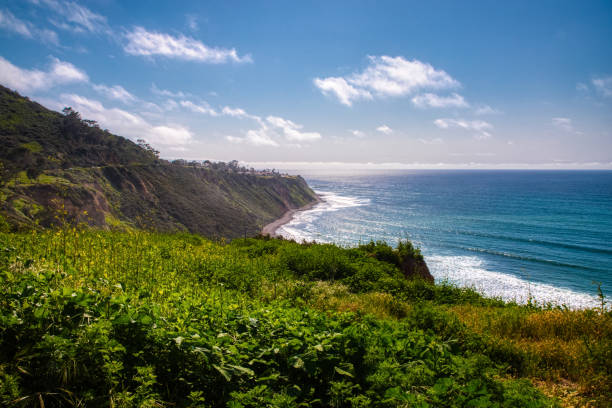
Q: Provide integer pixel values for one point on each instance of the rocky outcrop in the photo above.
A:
(415, 267)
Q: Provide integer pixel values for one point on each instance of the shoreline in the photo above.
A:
(271, 228)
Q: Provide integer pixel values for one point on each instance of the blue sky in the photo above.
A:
(364, 84)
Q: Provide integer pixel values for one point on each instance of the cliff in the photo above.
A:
(57, 168)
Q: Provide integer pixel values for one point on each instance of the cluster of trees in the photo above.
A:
(43, 140)
(36, 139)
(232, 166)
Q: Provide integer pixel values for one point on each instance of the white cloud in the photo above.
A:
(260, 137)
(256, 137)
(270, 130)
(150, 43)
(170, 104)
(291, 130)
(340, 88)
(563, 124)
(126, 123)
(27, 81)
(165, 92)
(486, 110)
(603, 85)
(204, 108)
(385, 77)
(241, 113)
(480, 127)
(75, 17)
(170, 135)
(357, 133)
(26, 29)
(48, 36)
(385, 129)
(11, 23)
(435, 101)
(115, 92)
(236, 112)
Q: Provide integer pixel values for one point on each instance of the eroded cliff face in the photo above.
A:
(213, 203)
(58, 168)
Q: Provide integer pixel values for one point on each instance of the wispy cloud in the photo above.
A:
(11, 23)
(292, 131)
(165, 92)
(357, 133)
(385, 129)
(115, 92)
(582, 87)
(26, 29)
(192, 22)
(75, 17)
(603, 85)
(257, 137)
(152, 43)
(481, 128)
(486, 110)
(563, 124)
(203, 108)
(236, 112)
(430, 100)
(170, 104)
(386, 76)
(271, 130)
(30, 80)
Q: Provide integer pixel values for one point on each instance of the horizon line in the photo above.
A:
(338, 165)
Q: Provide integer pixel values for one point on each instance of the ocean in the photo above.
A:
(544, 235)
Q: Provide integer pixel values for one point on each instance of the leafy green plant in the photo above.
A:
(98, 318)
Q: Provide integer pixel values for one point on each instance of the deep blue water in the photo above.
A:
(512, 234)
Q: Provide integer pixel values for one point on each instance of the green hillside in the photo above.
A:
(138, 319)
(61, 167)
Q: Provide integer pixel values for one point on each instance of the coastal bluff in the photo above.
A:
(60, 168)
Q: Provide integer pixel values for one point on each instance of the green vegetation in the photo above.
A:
(59, 162)
(102, 318)
(124, 318)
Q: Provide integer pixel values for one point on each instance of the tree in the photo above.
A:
(146, 146)
(91, 123)
(71, 113)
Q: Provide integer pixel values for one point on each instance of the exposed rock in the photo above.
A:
(416, 268)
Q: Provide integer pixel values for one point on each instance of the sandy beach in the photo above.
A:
(271, 228)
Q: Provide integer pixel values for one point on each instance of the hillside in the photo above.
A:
(59, 167)
(138, 319)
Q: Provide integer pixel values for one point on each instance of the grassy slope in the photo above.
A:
(34, 137)
(55, 166)
(147, 319)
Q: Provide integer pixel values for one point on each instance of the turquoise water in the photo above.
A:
(513, 234)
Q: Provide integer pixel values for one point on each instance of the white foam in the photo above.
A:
(301, 225)
(469, 271)
(464, 271)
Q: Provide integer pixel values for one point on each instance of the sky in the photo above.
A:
(406, 84)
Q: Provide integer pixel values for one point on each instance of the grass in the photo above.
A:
(106, 318)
